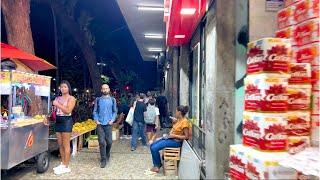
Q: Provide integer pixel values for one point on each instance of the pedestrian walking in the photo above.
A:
(105, 113)
(64, 105)
(138, 125)
(162, 104)
(152, 120)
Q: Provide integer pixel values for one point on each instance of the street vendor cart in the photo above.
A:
(25, 102)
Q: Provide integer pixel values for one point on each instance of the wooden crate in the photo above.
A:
(93, 144)
(170, 162)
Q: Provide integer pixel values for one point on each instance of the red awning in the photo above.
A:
(182, 18)
(33, 62)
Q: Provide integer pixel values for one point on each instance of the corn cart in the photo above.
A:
(25, 101)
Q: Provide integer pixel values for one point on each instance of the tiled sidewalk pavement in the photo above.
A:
(123, 164)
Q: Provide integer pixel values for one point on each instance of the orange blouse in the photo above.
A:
(178, 127)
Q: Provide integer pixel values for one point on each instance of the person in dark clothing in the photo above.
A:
(139, 125)
(123, 111)
(162, 104)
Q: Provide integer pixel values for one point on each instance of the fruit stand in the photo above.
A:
(80, 131)
(23, 133)
(25, 101)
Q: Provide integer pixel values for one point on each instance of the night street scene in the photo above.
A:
(160, 89)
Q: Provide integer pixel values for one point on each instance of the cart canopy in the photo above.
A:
(33, 62)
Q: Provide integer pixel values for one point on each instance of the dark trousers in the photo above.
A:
(127, 129)
(105, 141)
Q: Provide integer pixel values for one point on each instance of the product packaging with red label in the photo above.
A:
(265, 165)
(269, 55)
(298, 123)
(287, 33)
(266, 92)
(265, 131)
(307, 32)
(299, 97)
(308, 54)
(289, 2)
(315, 77)
(238, 161)
(315, 129)
(302, 176)
(300, 73)
(285, 17)
(315, 105)
(305, 9)
(297, 144)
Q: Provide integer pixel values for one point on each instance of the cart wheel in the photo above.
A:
(43, 161)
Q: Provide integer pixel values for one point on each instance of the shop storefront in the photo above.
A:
(196, 64)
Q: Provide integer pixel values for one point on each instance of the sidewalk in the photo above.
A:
(123, 164)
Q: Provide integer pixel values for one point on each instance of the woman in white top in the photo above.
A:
(64, 105)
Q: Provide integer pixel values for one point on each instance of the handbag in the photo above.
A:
(53, 113)
(129, 118)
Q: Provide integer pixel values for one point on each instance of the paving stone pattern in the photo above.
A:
(123, 164)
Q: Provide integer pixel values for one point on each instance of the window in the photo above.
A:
(195, 86)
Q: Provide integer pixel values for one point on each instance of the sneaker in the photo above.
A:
(139, 138)
(128, 137)
(62, 170)
(103, 164)
(58, 167)
(133, 149)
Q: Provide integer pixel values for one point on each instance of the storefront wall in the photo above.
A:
(184, 75)
(215, 100)
(220, 72)
(262, 23)
(241, 64)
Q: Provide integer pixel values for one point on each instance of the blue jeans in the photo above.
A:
(138, 128)
(159, 145)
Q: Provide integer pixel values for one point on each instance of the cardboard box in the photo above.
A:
(115, 134)
(93, 144)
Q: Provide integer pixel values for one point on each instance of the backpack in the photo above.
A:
(151, 115)
(113, 103)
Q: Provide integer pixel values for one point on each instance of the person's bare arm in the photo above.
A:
(66, 109)
(181, 137)
(157, 122)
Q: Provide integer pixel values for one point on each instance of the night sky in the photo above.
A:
(113, 38)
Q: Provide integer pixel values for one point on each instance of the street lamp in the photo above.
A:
(101, 64)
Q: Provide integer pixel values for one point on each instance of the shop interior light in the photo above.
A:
(155, 49)
(150, 8)
(154, 36)
(187, 11)
(180, 36)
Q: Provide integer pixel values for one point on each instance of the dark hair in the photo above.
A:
(183, 109)
(152, 101)
(142, 96)
(68, 84)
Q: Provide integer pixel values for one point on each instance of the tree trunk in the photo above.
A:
(79, 36)
(17, 22)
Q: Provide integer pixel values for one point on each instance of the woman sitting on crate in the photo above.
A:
(179, 132)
